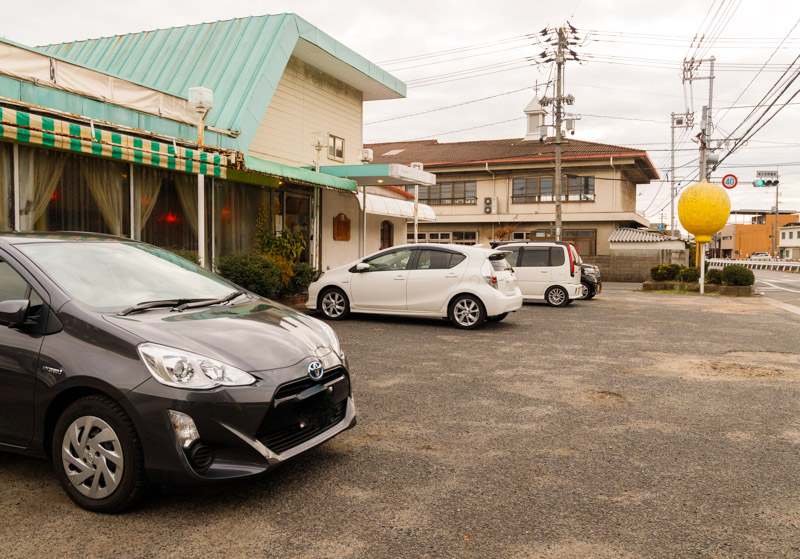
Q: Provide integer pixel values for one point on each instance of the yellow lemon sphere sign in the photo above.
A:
(704, 209)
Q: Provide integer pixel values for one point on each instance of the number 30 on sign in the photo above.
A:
(729, 181)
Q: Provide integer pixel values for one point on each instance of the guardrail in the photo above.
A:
(774, 265)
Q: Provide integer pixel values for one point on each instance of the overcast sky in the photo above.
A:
(625, 89)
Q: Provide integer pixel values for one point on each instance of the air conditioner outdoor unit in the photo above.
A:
(490, 205)
(365, 155)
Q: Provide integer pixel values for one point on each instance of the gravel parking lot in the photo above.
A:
(632, 425)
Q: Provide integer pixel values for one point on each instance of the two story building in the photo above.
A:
(503, 189)
(790, 241)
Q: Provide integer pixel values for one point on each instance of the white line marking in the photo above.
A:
(779, 287)
(786, 307)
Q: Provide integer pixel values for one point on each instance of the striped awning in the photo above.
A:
(32, 129)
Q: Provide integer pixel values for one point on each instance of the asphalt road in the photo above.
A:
(779, 286)
(634, 425)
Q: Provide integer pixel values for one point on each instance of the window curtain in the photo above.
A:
(148, 180)
(5, 185)
(105, 182)
(186, 186)
(40, 171)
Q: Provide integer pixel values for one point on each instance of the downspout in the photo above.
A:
(494, 194)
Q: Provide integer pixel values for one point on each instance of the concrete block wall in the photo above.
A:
(634, 265)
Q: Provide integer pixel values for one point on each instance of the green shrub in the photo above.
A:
(302, 274)
(714, 275)
(665, 272)
(251, 271)
(736, 274)
(690, 275)
(190, 255)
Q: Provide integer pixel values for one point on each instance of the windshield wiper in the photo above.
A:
(154, 305)
(193, 303)
(178, 304)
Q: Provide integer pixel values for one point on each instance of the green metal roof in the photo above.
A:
(240, 60)
(297, 174)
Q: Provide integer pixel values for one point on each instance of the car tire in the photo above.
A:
(497, 318)
(333, 304)
(467, 312)
(557, 296)
(586, 291)
(97, 455)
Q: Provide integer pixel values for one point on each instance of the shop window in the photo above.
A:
(172, 222)
(239, 210)
(67, 192)
(387, 234)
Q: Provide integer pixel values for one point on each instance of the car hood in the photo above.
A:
(255, 336)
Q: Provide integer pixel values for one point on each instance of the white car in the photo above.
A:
(466, 284)
(760, 256)
(546, 270)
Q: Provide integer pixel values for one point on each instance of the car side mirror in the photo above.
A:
(362, 267)
(14, 311)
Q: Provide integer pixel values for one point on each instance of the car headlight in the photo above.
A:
(183, 369)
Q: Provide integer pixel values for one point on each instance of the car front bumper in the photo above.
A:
(247, 430)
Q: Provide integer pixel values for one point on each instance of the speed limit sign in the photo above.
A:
(729, 181)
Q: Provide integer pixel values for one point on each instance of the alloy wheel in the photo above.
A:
(92, 457)
(467, 312)
(556, 296)
(333, 304)
(584, 291)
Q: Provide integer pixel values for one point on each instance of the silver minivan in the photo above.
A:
(546, 270)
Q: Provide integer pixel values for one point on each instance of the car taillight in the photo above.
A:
(571, 262)
(487, 270)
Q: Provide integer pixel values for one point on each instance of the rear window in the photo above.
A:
(556, 256)
(499, 263)
(438, 259)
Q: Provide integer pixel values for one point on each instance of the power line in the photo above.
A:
(452, 106)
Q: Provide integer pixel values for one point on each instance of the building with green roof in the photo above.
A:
(101, 135)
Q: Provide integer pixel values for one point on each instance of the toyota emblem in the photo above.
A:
(315, 370)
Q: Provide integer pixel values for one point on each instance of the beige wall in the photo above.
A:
(339, 253)
(613, 194)
(307, 102)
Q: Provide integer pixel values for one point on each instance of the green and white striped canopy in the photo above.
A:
(31, 129)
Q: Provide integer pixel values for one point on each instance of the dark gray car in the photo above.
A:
(129, 366)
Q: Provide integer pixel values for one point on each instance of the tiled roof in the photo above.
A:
(432, 153)
(630, 235)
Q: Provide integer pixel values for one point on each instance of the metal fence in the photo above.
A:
(774, 265)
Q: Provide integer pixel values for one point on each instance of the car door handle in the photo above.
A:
(451, 276)
(399, 278)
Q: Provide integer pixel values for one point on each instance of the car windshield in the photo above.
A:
(109, 275)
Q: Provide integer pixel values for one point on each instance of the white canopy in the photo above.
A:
(382, 205)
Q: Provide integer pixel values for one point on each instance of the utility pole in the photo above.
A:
(706, 126)
(775, 233)
(677, 121)
(558, 103)
(559, 86)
